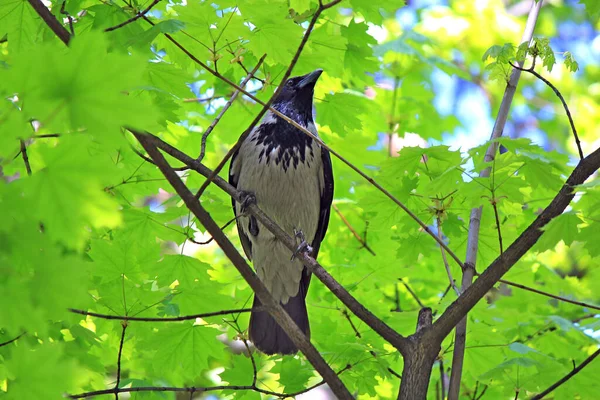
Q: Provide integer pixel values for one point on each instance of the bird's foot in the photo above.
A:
(303, 246)
(247, 198)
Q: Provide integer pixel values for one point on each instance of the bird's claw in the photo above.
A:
(303, 246)
(247, 198)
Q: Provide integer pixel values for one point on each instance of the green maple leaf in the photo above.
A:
(184, 350)
(46, 366)
(67, 193)
(563, 227)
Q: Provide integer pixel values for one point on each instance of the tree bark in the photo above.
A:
(418, 363)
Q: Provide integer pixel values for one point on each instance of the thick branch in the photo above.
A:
(475, 218)
(50, 20)
(517, 249)
(338, 290)
(274, 308)
(567, 377)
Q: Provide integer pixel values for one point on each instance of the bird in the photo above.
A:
(289, 175)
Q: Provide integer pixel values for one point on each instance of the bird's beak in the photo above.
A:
(310, 79)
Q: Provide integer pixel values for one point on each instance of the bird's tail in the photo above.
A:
(268, 336)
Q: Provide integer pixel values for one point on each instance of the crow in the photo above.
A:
(289, 175)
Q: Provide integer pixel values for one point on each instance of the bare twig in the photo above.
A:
(445, 260)
(562, 100)
(25, 157)
(267, 105)
(69, 18)
(164, 319)
(412, 293)
(347, 316)
(356, 235)
(565, 378)
(11, 340)
(203, 389)
(495, 207)
(273, 307)
(226, 107)
(475, 217)
(134, 18)
(124, 325)
(553, 296)
(442, 378)
(50, 20)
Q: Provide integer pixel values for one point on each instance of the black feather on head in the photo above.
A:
(296, 97)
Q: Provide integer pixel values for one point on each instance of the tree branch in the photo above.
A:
(11, 340)
(553, 296)
(356, 235)
(165, 319)
(226, 107)
(134, 18)
(574, 372)
(50, 20)
(267, 105)
(562, 100)
(338, 290)
(517, 249)
(25, 157)
(305, 131)
(274, 308)
(475, 218)
(124, 325)
(192, 389)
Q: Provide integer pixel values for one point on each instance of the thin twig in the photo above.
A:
(347, 316)
(226, 107)
(560, 298)
(134, 18)
(412, 293)
(356, 235)
(124, 325)
(203, 389)
(69, 18)
(562, 100)
(25, 157)
(494, 206)
(442, 379)
(11, 340)
(565, 378)
(267, 105)
(445, 260)
(149, 160)
(165, 319)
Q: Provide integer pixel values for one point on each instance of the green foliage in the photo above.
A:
(96, 227)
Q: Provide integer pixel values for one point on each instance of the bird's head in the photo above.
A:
(296, 98)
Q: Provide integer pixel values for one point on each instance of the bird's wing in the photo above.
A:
(234, 171)
(326, 199)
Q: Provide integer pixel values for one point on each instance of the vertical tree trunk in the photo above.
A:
(417, 370)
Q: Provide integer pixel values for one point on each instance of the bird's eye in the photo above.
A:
(290, 83)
